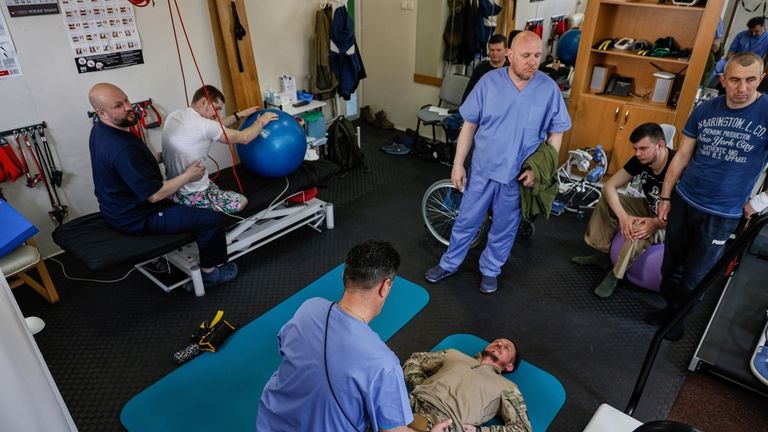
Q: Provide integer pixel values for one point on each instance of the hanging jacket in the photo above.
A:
(346, 62)
(322, 81)
(539, 198)
(485, 24)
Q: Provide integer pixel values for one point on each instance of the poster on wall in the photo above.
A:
(22, 8)
(102, 34)
(9, 61)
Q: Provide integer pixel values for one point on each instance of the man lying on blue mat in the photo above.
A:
(470, 391)
(336, 374)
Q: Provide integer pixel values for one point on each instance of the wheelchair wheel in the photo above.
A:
(439, 209)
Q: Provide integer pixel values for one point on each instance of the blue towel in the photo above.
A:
(220, 391)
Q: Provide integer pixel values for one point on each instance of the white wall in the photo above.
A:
(388, 47)
(52, 90)
(29, 400)
(280, 32)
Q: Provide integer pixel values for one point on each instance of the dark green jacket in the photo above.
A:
(538, 199)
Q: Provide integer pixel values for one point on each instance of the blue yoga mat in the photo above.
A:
(220, 391)
(543, 393)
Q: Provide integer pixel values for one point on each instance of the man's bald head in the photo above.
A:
(525, 37)
(100, 92)
(112, 106)
(525, 55)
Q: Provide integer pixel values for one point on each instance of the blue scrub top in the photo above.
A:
(125, 174)
(744, 42)
(512, 123)
(366, 375)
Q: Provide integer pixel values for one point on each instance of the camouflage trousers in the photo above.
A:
(431, 414)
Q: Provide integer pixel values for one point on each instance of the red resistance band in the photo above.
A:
(10, 166)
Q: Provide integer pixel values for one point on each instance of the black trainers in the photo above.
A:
(366, 115)
(437, 273)
(675, 333)
(489, 284)
(659, 316)
(221, 274)
(382, 121)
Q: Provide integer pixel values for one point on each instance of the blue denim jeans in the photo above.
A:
(695, 240)
(207, 225)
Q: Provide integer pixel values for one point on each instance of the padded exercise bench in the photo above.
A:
(267, 217)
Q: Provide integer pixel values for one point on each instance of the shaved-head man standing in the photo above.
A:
(131, 191)
(507, 117)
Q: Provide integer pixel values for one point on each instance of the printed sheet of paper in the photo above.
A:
(9, 61)
(102, 34)
(22, 8)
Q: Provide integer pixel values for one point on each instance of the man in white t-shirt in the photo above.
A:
(187, 137)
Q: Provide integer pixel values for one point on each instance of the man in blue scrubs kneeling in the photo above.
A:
(336, 374)
(132, 195)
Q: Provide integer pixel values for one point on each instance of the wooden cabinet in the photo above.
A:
(613, 121)
(609, 120)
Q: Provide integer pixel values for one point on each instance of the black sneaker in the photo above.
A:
(659, 316)
(437, 273)
(221, 274)
(489, 284)
(675, 333)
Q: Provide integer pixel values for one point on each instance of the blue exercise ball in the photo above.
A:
(279, 148)
(568, 46)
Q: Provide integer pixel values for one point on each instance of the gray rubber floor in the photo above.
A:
(106, 342)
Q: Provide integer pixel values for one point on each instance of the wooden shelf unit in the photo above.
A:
(594, 115)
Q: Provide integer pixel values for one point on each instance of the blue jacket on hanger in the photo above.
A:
(345, 59)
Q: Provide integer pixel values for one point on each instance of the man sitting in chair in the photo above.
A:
(470, 391)
(635, 217)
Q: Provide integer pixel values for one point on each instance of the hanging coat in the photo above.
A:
(487, 10)
(322, 82)
(345, 59)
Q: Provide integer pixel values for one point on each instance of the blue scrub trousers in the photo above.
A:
(207, 225)
(481, 194)
(694, 241)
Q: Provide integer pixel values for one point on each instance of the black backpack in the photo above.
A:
(342, 148)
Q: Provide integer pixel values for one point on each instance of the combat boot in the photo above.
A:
(382, 121)
(366, 115)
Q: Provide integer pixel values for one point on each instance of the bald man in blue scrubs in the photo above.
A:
(507, 116)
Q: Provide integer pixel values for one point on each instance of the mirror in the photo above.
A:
(432, 17)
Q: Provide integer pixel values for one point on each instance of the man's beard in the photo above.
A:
(127, 121)
(490, 355)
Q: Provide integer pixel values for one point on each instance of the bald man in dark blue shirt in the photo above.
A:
(131, 191)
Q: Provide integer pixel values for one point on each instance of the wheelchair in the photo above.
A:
(440, 206)
(581, 189)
